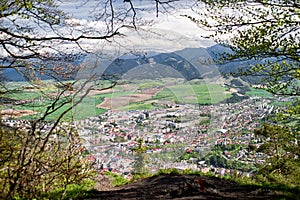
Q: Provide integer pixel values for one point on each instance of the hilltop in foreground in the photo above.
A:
(178, 186)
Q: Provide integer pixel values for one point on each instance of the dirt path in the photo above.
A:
(185, 187)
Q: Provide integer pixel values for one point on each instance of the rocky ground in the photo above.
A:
(174, 186)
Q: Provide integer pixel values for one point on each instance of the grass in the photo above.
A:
(85, 109)
(179, 93)
(194, 94)
(73, 191)
(41, 100)
(85, 189)
(23, 95)
(139, 106)
(118, 180)
(150, 84)
(289, 191)
(165, 94)
(258, 93)
(114, 94)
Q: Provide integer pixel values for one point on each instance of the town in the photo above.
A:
(116, 139)
(126, 142)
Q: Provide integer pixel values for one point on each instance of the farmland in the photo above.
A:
(127, 95)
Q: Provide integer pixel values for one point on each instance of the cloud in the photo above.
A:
(169, 31)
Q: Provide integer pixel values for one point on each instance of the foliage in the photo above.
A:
(37, 158)
(283, 152)
(35, 163)
(118, 180)
(282, 147)
(235, 98)
(267, 34)
(187, 156)
(140, 157)
(39, 41)
(72, 191)
(289, 191)
(217, 159)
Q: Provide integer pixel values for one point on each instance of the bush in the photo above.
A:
(35, 163)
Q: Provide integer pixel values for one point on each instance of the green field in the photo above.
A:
(258, 93)
(150, 84)
(86, 108)
(175, 90)
(194, 94)
(139, 106)
(183, 93)
(41, 99)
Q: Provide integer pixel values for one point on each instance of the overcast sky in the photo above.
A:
(169, 31)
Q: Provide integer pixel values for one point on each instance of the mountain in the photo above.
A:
(157, 66)
(11, 74)
(188, 63)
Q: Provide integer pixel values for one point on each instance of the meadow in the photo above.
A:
(194, 93)
(258, 93)
(163, 91)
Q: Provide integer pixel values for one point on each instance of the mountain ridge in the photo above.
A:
(187, 63)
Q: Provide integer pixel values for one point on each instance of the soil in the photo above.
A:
(8, 113)
(185, 187)
(116, 102)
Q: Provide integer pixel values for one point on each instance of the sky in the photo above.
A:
(170, 31)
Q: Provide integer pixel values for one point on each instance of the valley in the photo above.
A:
(147, 125)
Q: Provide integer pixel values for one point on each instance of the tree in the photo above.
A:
(38, 40)
(31, 167)
(140, 157)
(267, 34)
(36, 34)
(282, 151)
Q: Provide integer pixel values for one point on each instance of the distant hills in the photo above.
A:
(188, 63)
